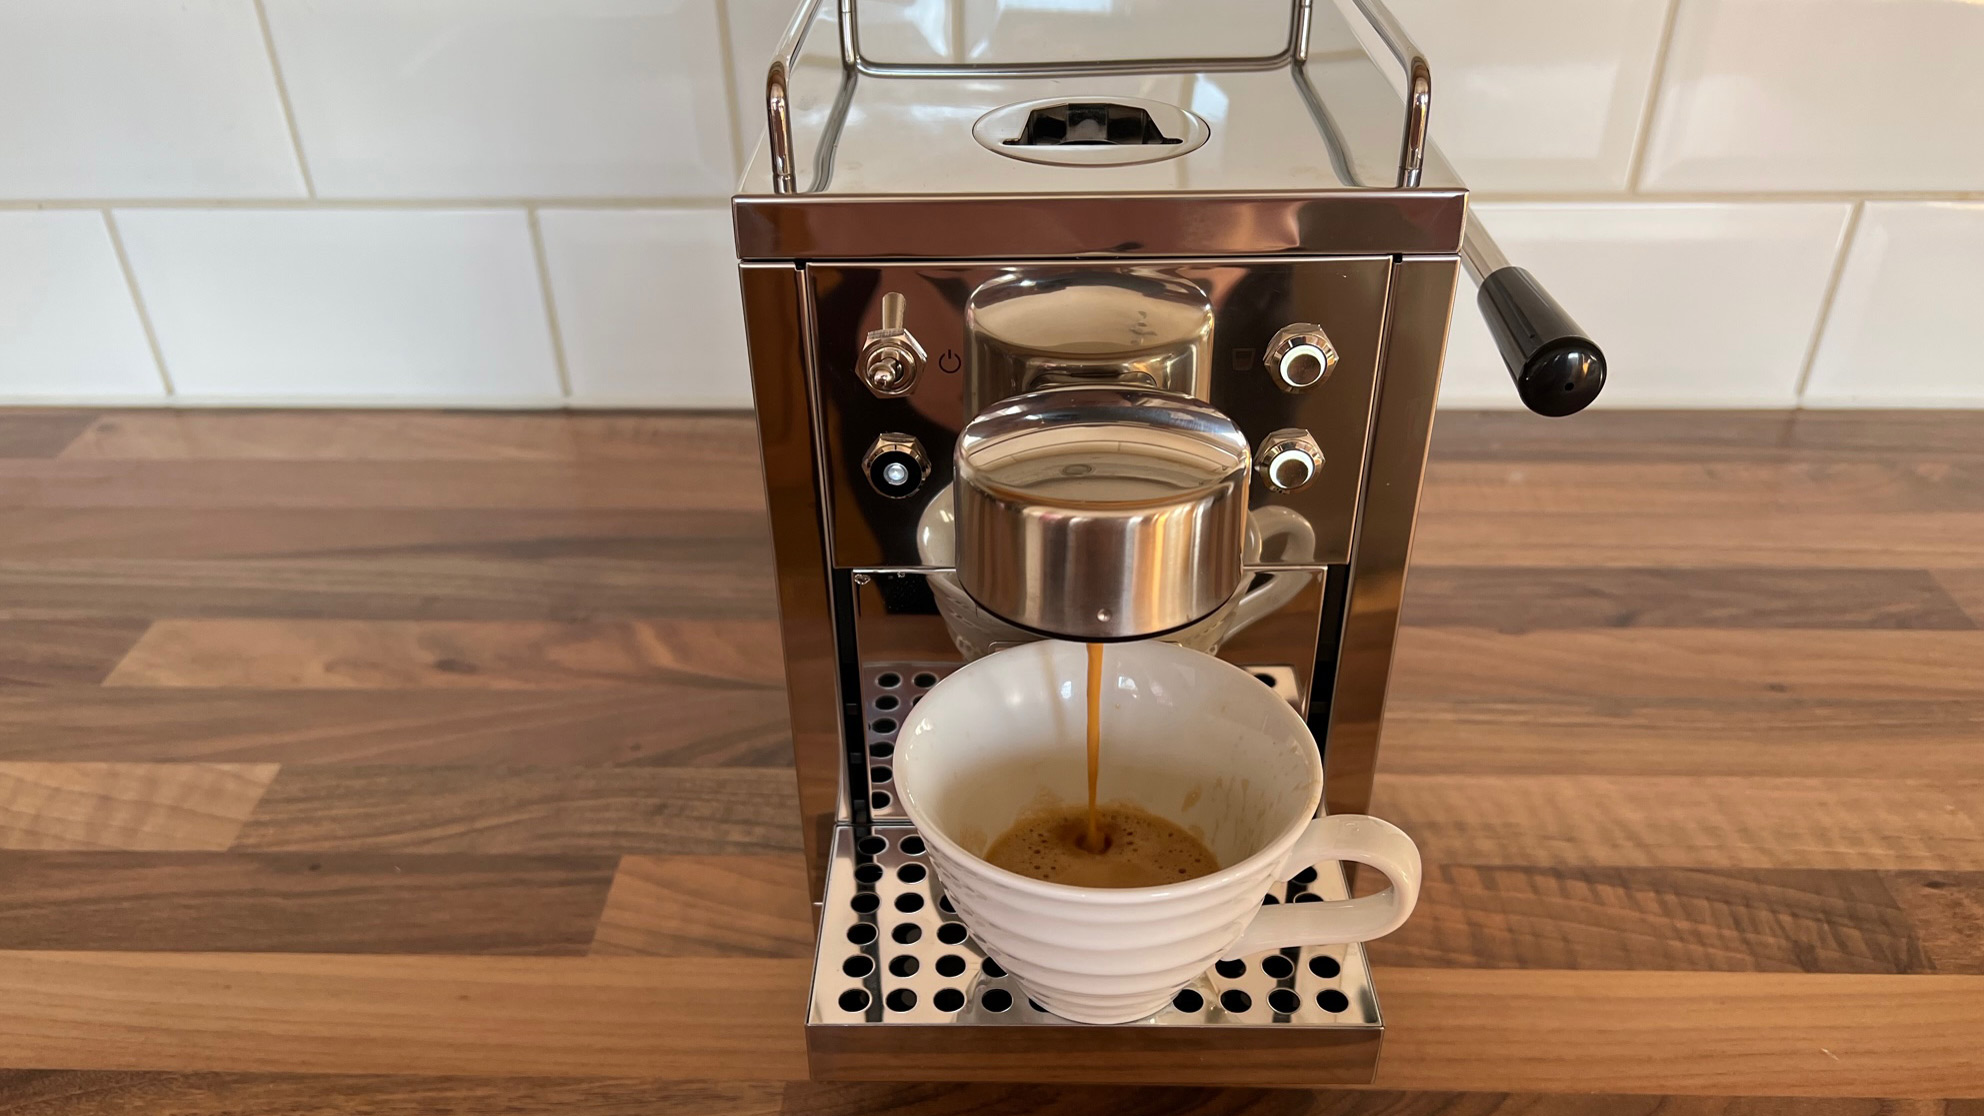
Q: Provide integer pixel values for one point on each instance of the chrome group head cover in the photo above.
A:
(1101, 513)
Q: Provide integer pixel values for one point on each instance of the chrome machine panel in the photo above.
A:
(1251, 301)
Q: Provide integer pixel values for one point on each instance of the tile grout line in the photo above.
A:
(550, 304)
(1585, 197)
(138, 302)
(1711, 197)
(1636, 167)
(1846, 238)
(282, 95)
(729, 67)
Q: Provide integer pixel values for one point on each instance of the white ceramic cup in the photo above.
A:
(1184, 735)
(978, 633)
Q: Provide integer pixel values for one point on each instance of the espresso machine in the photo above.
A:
(1051, 339)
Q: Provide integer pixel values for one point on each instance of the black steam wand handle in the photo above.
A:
(1558, 370)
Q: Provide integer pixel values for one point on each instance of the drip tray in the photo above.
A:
(902, 992)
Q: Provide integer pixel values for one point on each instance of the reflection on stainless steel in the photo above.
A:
(1301, 356)
(778, 326)
(1101, 513)
(1149, 226)
(1480, 253)
(1187, 395)
(1281, 545)
(1422, 299)
(1251, 299)
(1290, 460)
(1031, 329)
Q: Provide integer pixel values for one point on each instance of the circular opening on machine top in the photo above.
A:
(1091, 131)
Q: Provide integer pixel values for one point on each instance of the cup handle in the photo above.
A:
(1356, 837)
(1271, 522)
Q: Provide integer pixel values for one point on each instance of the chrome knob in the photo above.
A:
(1301, 357)
(1289, 460)
(896, 465)
(891, 357)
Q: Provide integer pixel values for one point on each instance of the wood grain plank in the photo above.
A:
(41, 433)
(137, 806)
(326, 435)
(1792, 1034)
(669, 725)
(1718, 435)
(302, 902)
(1766, 735)
(96, 534)
(87, 1093)
(73, 1093)
(694, 578)
(546, 810)
(707, 906)
(1696, 488)
(1517, 599)
(1966, 587)
(1709, 1033)
(64, 652)
(98, 1093)
(1694, 663)
(1871, 540)
(388, 654)
(1575, 917)
(807, 1098)
(715, 482)
(727, 1019)
(1947, 911)
(1682, 822)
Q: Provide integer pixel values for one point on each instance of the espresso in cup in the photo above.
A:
(1192, 741)
(1116, 845)
(1136, 848)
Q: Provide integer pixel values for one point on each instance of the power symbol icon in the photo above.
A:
(948, 362)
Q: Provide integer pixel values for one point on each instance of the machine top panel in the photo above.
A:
(1269, 156)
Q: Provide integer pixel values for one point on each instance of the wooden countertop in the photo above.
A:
(436, 763)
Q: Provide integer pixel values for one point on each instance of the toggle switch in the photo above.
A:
(891, 357)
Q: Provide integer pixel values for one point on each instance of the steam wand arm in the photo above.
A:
(1558, 370)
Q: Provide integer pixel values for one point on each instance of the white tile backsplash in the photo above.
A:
(1544, 95)
(1822, 95)
(402, 267)
(1693, 304)
(507, 98)
(68, 329)
(755, 27)
(345, 305)
(648, 306)
(139, 99)
(1907, 322)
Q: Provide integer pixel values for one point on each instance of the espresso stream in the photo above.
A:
(1114, 845)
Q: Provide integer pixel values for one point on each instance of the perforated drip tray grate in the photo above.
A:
(901, 991)
(888, 692)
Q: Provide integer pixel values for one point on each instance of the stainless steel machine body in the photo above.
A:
(927, 236)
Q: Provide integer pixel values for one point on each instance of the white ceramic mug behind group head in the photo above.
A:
(978, 633)
(1186, 736)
